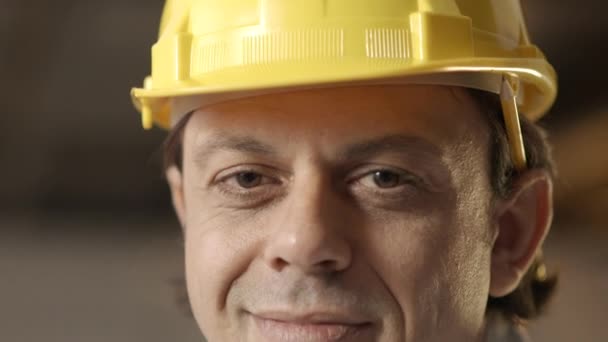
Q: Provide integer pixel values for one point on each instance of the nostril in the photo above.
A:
(279, 263)
(324, 266)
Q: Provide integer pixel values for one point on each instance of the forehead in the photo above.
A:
(332, 117)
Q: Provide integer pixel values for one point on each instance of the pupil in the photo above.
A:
(248, 179)
(386, 179)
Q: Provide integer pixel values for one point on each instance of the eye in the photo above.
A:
(387, 179)
(246, 180)
(248, 183)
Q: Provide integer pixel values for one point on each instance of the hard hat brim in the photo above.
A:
(537, 76)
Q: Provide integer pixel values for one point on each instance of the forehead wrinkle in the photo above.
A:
(390, 143)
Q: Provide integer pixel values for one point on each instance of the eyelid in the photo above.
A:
(225, 183)
(371, 169)
(253, 168)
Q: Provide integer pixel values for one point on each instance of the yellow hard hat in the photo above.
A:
(221, 49)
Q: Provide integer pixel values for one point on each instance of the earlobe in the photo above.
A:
(523, 220)
(174, 178)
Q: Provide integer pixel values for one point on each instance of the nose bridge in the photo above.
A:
(310, 234)
(310, 196)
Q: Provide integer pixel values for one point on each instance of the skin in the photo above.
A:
(350, 214)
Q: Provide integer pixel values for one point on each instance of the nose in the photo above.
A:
(312, 232)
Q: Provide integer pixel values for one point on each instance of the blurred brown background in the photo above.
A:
(89, 248)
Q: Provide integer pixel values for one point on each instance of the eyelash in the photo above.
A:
(240, 192)
(407, 179)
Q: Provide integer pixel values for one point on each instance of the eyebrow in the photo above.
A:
(232, 143)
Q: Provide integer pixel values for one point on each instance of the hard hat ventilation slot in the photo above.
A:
(387, 43)
(293, 46)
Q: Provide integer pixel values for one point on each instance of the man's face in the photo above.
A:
(350, 214)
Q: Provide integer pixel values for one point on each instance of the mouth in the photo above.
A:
(318, 327)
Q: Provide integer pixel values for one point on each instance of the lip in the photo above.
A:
(315, 326)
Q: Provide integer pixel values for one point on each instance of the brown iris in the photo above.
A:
(386, 179)
(248, 179)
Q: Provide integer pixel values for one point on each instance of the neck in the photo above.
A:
(498, 329)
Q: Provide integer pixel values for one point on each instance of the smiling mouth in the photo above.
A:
(316, 329)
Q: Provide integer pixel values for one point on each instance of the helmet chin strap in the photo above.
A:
(508, 100)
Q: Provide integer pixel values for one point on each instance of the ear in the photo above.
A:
(174, 178)
(522, 220)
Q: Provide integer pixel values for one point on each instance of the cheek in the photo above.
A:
(218, 251)
(434, 269)
(408, 258)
